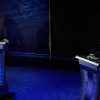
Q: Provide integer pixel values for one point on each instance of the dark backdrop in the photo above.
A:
(27, 23)
(75, 27)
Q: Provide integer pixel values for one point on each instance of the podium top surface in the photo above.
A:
(2, 43)
(88, 60)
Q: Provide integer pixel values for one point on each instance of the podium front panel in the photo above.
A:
(2, 72)
(90, 78)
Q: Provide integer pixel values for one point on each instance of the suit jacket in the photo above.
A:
(3, 32)
(97, 54)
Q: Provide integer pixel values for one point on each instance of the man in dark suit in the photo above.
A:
(96, 54)
(3, 32)
(97, 51)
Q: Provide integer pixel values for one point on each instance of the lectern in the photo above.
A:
(4, 93)
(90, 72)
(2, 66)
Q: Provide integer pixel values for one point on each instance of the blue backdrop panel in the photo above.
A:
(27, 24)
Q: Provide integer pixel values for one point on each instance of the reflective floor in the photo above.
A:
(35, 83)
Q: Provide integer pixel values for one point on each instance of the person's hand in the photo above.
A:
(6, 40)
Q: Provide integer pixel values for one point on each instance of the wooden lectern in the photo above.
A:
(90, 71)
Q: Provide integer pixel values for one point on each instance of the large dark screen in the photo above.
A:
(75, 27)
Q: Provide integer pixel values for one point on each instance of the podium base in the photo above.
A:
(5, 94)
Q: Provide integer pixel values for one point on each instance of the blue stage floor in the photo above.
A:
(34, 83)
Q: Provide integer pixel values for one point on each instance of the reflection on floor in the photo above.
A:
(34, 83)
